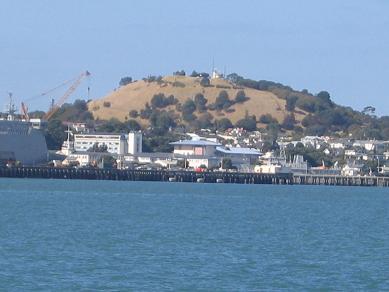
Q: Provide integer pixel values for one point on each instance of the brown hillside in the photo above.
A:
(133, 96)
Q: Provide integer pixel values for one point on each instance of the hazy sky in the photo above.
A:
(341, 46)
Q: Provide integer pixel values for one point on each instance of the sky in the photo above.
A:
(333, 45)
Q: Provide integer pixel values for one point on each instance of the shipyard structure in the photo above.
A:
(20, 141)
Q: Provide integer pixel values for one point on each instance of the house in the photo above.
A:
(312, 141)
(352, 153)
(352, 170)
(369, 145)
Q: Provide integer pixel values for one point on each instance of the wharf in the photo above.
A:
(339, 180)
(191, 176)
(145, 175)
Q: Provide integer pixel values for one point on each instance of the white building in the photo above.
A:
(84, 159)
(116, 143)
(195, 147)
(272, 169)
(201, 152)
(134, 143)
(352, 170)
(198, 162)
(239, 155)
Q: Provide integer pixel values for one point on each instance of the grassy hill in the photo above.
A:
(135, 95)
(166, 107)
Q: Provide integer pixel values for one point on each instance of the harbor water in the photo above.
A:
(152, 236)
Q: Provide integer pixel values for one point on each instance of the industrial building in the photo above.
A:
(119, 144)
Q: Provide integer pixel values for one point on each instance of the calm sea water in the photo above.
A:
(101, 235)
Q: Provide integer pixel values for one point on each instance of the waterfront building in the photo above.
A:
(353, 169)
(272, 169)
(119, 144)
(209, 154)
(195, 147)
(239, 155)
(134, 142)
(85, 159)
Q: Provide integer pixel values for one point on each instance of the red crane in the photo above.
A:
(25, 112)
(68, 92)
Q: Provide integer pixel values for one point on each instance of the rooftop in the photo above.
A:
(196, 143)
(238, 151)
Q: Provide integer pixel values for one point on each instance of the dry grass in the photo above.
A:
(135, 95)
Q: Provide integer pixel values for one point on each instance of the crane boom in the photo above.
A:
(68, 92)
(25, 112)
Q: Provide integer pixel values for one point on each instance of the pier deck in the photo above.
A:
(191, 176)
(146, 175)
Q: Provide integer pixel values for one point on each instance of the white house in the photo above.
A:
(352, 170)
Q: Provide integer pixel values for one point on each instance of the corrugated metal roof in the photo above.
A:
(238, 150)
(196, 143)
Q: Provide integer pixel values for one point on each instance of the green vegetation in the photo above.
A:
(205, 82)
(161, 101)
(315, 157)
(200, 102)
(133, 114)
(55, 134)
(248, 124)
(188, 109)
(125, 80)
(241, 97)
(115, 126)
(165, 115)
(267, 119)
(223, 124)
(291, 103)
(76, 112)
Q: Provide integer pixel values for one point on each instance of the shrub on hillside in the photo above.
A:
(241, 97)
(223, 124)
(291, 103)
(288, 122)
(178, 84)
(200, 102)
(248, 123)
(223, 101)
(267, 119)
(133, 114)
(160, 100)
(205, 82)
(125, 80)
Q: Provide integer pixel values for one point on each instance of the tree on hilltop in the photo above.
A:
(125, 80)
